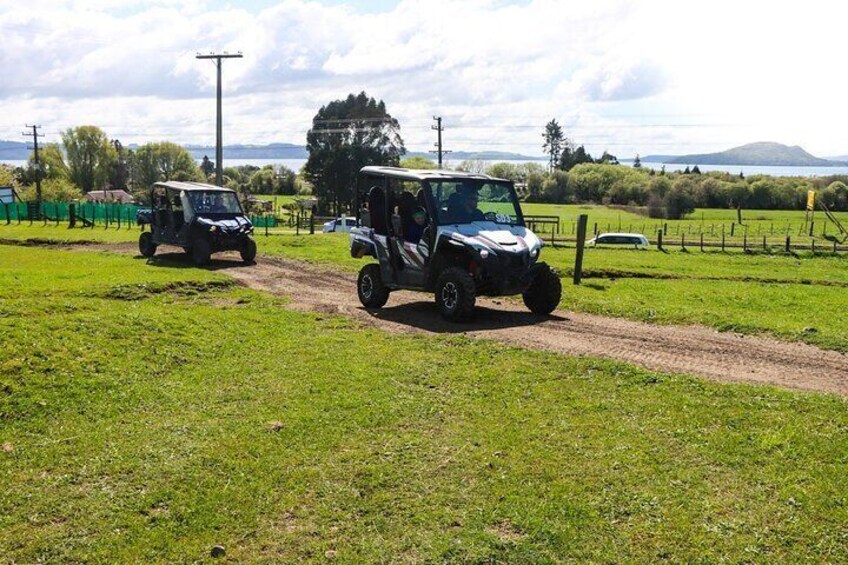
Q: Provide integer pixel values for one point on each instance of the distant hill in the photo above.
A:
(763, 153)
(18, 151)
(13, 151)
(270, 151)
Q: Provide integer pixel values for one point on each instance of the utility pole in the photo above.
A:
(438, 127)
(34, 136)
(219, 136)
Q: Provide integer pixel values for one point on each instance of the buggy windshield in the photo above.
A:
(462, 201)
(212, 202)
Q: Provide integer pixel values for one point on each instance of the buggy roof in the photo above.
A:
(424, 174)
(192, 186)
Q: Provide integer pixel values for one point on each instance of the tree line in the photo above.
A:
(87, 160)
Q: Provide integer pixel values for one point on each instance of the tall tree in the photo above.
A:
(554, 140)
(155, 162)
(637, 162)
(89, 156)
(119, 169)
(347, 135)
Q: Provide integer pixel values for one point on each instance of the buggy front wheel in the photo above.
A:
(545, 290)
(455, 294)
(248, 251)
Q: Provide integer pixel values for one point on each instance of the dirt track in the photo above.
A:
(678, 349)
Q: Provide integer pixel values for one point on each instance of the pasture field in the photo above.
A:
(799, 297)
(151, 411)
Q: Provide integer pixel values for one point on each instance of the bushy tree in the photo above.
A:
(678, 201)
(268, 180)
(89, 156)
(52, 160)
(472, 166)
(347, 135)
(154, 162)
(508, 171)
(556, 189)
(420, 163)
(52, 190)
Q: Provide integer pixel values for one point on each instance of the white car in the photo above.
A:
(637, 240)
(340, 225)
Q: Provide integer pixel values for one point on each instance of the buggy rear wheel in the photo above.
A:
(545, 290)
(248, 251)
(455, 295)
(145, 244)
(369, 285)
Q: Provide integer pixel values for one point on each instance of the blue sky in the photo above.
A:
(620, 75)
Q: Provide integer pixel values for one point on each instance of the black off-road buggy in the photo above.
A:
(201, 218)
(457, 235)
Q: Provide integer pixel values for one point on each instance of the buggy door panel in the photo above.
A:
(409, 264)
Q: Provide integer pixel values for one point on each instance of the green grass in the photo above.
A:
(149, 427)
(797, 297)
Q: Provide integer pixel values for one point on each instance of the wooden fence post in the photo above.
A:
(788, 243)
(722, 243)
(659, 240)
(582, 222)
(683, 241)
(702, 243)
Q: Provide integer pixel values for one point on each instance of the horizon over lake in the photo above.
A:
(777, 171)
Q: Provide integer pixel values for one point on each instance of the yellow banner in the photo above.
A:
(811, 200)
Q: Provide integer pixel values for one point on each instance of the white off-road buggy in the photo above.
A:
(458, 235)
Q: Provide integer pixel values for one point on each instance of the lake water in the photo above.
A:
(296, 164)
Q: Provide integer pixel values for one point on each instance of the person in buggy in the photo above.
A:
(462, 206)
(416, 227)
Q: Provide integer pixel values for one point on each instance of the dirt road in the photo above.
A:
(692, 350)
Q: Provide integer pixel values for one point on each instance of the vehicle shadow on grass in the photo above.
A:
(424, 315)
(182, 260)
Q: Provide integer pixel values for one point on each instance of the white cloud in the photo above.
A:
(645, 77)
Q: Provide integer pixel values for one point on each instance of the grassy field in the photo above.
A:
(149, 412)
(800, 297)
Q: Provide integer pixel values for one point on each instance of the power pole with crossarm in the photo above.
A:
(34, 136)
(219, 136)
(438, 127)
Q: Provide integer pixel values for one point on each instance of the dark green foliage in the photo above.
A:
(554, 142)
(347, 135)
(573, 157)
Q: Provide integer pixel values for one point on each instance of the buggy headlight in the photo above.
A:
(484, 253)
(213, 228)
(534, 252)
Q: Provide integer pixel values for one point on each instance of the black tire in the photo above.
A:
(145, 244)
(201, 251)
(545, 290)
(369, 285)
(455, 294)
(248, 251)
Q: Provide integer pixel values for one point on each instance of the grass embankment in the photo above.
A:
(795, 297)
(151, 412)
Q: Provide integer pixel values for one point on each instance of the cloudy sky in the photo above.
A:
(642, 77)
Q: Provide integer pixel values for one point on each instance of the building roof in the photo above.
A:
(109, 196)
(192, 186)
(424, 174)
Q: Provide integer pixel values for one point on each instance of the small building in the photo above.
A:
(110, 196)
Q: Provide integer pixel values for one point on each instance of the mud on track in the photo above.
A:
(694, 350)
